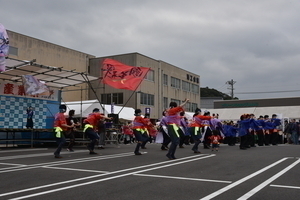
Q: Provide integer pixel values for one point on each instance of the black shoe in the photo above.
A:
(143, 147)
(197, 152)
(92, 153)
(138, 153)
(181, 146)
(88, 148)
(243, 148)
(57, 157)
(163, 147)
(101, 147)
(170, 157)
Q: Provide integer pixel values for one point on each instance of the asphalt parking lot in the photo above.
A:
(115, 173)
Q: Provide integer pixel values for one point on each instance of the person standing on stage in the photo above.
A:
(29, 123)
(91, 126)
(173, 120)
(139, 130)
(60, 126)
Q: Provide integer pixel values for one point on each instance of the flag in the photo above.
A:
(3, 47)
(33, 86)
(121, 76)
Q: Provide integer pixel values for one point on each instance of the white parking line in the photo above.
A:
(78, 170)
(286, 186)
(183, 178)
(265, 183)
(22, 150)
(228, 187)
(19, 165)
(65, 162)
(168, 163)
(36, 155)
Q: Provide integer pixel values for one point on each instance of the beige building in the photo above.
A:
(23, 47)
(164, 83)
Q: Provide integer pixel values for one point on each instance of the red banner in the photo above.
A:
(121, 76)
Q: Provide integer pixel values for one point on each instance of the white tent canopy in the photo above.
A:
(84, 108)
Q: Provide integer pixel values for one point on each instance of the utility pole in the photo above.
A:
(231, 83)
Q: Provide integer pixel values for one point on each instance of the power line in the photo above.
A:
(268, 92)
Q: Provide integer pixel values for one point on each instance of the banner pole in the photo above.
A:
(134, 91)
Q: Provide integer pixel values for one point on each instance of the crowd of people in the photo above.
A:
(174, 129)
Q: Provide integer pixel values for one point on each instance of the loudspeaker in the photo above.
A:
(115, 118)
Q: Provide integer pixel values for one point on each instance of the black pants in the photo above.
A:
(71, 135)
(60, 143)
(251, 139)
(260, 137)
(207, 131)
(29, 123)
(166, 140)
(182, 137)
(243, 142)
(267, 139)
(231, 140)
(175, 138)
(274, 138)
(94, 137)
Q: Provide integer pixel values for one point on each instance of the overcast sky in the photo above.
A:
(253, 42)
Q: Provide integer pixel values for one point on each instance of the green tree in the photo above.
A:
(211, 92)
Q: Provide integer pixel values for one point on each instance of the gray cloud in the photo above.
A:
(256, 43)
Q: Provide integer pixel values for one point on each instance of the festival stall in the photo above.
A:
(84, 108)
(20, 86)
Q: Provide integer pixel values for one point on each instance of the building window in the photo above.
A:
(166, 104)
(150, 75)
(194, 106)
(116, 98)
(176, 101)
(175, 82)
(195, 88)
(147, 99)
(13, 51)
(165, 79)
(188, 107)
(186, 86)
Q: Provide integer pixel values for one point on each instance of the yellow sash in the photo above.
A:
(87, 126)
(58, 132)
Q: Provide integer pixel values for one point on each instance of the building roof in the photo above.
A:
(53, 76)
